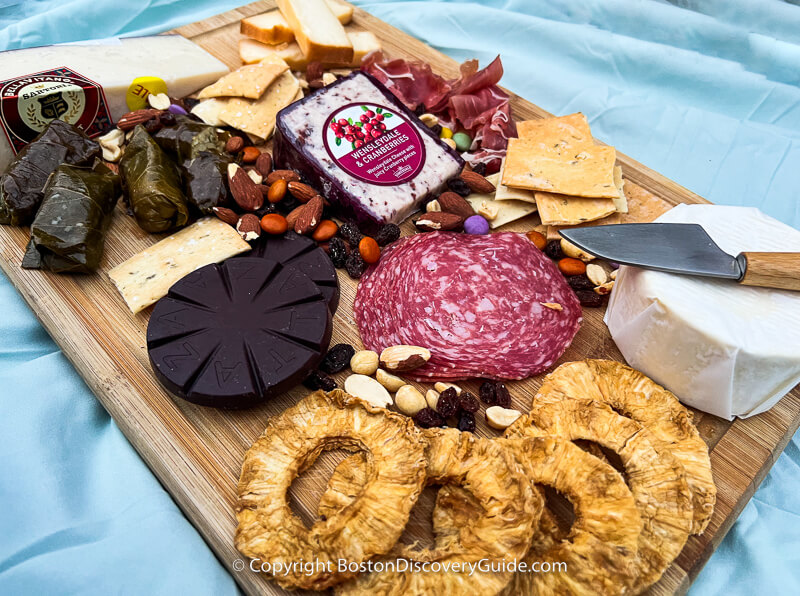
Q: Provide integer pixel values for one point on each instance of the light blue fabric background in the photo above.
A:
(705, 91)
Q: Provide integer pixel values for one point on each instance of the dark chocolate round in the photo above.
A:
(232, 335)
(301, 252)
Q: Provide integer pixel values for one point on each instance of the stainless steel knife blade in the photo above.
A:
(671, 247)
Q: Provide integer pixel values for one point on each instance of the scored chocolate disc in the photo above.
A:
(232, 335)
(304, 254)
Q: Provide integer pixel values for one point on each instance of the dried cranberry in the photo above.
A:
(488, 393)
(317, 379)
(589, 298)
(387, 234)
(580, 282)
(466, 422)
(458, 186)
(337, 251)
(337, 358)
(428, 418)
(449, 404)
(553, 250)
(502, 396)
(355, 265)
(350, 232)
(479, 168)
(469, 403)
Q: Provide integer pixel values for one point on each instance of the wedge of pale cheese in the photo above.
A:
(620, 202)
(146, 277)
(271, 27)
(317, 31)
(721, 347)
(251, 51)
(508, 210)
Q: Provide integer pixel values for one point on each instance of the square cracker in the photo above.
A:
(572, 130)
(565, 210)
(146, 277)
(258, 117)
(556, 167)
(248, 81)
(505, 193)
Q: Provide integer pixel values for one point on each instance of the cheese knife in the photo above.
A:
(685, 249)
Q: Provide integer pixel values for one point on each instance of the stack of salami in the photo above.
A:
(488, 306)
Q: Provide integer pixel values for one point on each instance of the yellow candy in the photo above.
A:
(136, 98)
(446, 133)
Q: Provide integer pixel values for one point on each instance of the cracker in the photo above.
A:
(572, 130)
(258, 117)
(209, 110)
(621, 202)
(146, 277)
(508, 210)
(556, 209)
(560, 168)
(553, 231)
(248, 81)
(505, 193)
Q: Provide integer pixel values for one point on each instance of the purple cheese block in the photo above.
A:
(370, 156)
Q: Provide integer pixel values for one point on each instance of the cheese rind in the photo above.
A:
(318, 32)
(723, 348)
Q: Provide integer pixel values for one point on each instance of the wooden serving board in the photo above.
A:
(197, 452)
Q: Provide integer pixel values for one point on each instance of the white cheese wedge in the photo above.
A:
(252, 51)
(184, 66)
(722, 348)
(508, 210)
(317, 31)
(271, 28)
(506, 193)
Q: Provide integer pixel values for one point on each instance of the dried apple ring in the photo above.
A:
(636, 396)
(508, 513)
(370, 525)
(656, 478)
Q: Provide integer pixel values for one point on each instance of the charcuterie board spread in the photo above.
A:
(336, 284)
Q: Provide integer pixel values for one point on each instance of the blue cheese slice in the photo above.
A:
(146, 277)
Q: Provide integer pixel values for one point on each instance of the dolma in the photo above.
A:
(152, 184)
(22, 186)
(199, 150)
(69, 230)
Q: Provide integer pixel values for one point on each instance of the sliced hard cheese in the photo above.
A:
(250, 51)
(317, 31)
(258, 117)
(508, 210)
(209, 110)
(621, 202)
(146, 277)
(583, 172)
(184, 66)
(248, 81)
(568, 210)
(271, 28)
(505, 193)
(721, 347)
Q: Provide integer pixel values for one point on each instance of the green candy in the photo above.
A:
(462, 141)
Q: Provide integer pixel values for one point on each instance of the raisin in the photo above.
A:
(502, 396)
(265, 209)
(288, 204)
(553, 250)
(317, 379)
(580, 282)
(337, 250)
(589, 298)
(488, 393)
(420, 110)
(469, 403)
(153, 125)
(387, 234)
(458, 186)
(355, 265)
(466, 422)
(337, 358)
(436, 129)
(428, 418)
(167, 118)
(350, 232)
(449, 403)
(479, 168)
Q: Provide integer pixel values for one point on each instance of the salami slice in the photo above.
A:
(486, 306)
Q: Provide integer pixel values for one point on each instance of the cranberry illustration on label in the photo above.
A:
(374, 144)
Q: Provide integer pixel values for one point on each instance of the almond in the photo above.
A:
(229, 216)
(433, 221)
(451, 202)
(402, 357)
(249, 227)
(250, 154)
(302, 192)
(234, 145)
(264, 164)
(293, 215)
(245, 192)
(132, 119)
(288, 175)
(476, 182)
(310, 216)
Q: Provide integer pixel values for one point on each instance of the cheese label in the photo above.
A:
(374, 144)
(28, 104)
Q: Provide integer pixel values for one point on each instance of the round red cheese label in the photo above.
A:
(374, 143)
